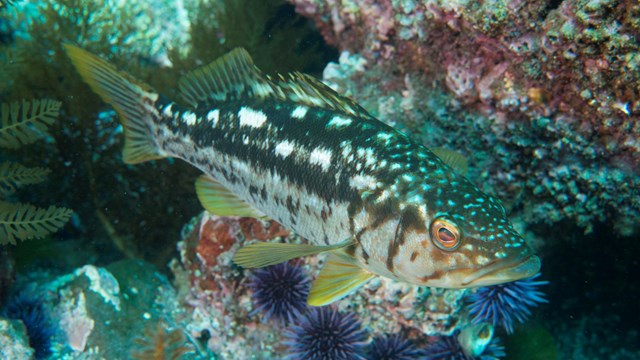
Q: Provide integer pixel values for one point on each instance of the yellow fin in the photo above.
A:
(268, 253)
(340, 277)
(128, 97)
(217, 200)
(234, 76)
(452, 158)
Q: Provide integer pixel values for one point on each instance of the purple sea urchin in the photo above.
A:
(448, 348)
(280, 291)
(392, 347)
(501, 304)
(31, 312)
(325, 333)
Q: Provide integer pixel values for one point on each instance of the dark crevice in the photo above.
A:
(551, 5)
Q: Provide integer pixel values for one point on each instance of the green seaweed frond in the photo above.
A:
(25, 123)
(19, 222)
(14, 175)
(11, 62)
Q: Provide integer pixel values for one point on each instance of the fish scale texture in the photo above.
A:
(542, 98)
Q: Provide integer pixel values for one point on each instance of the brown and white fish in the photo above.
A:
(290, 148)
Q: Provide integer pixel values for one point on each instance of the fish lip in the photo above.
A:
(500, 272)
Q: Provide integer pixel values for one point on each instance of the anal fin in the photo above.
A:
(340, 277)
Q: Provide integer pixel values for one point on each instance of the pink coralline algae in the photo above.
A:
(542, 97)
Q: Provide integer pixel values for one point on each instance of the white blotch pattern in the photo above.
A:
(189, 118)
(299, 112)
(214, 117)
(339, 122)
(284, 149)
(321, 156)
(252, 118)
(360, 182)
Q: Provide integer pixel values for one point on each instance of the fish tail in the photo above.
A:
(132, 100)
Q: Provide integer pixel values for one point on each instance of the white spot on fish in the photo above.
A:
(299, 112)
(384, 138)
(339, 122)
(322, 157)
(189, 118)
(482, 260)
(360, 182)
(284, 149)
(252, 118)
(214, 117)
(167, 111)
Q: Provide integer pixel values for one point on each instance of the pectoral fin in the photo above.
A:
(339, 277)
(264, 253)
(216, 199)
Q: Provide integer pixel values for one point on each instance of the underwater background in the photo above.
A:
(103, 260)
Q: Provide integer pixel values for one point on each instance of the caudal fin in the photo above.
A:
(133, 103)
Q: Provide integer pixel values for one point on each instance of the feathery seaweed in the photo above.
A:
(14, 175)
(25, 123)
(19, 222)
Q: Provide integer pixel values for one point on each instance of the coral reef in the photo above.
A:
(96, 312)
(502, 304)
(14, 343)
(541, 96)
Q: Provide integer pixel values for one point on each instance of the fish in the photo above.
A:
(289, 148)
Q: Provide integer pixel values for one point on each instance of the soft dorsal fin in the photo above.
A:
(234, 76)
(217, 200)
(452, 158)
(231, 76)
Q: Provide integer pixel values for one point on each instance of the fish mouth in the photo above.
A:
(501, 272)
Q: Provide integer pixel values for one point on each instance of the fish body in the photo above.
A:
(292, 149)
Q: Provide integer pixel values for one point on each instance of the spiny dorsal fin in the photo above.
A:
(339, 277)
(234, 76)
(305, 89)
(217, 200)
(230, 77)
(452, 158)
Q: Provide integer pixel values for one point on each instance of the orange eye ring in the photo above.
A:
(445, 234)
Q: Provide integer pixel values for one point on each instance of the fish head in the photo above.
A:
(462, 239)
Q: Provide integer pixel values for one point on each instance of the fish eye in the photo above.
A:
(445, 234)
